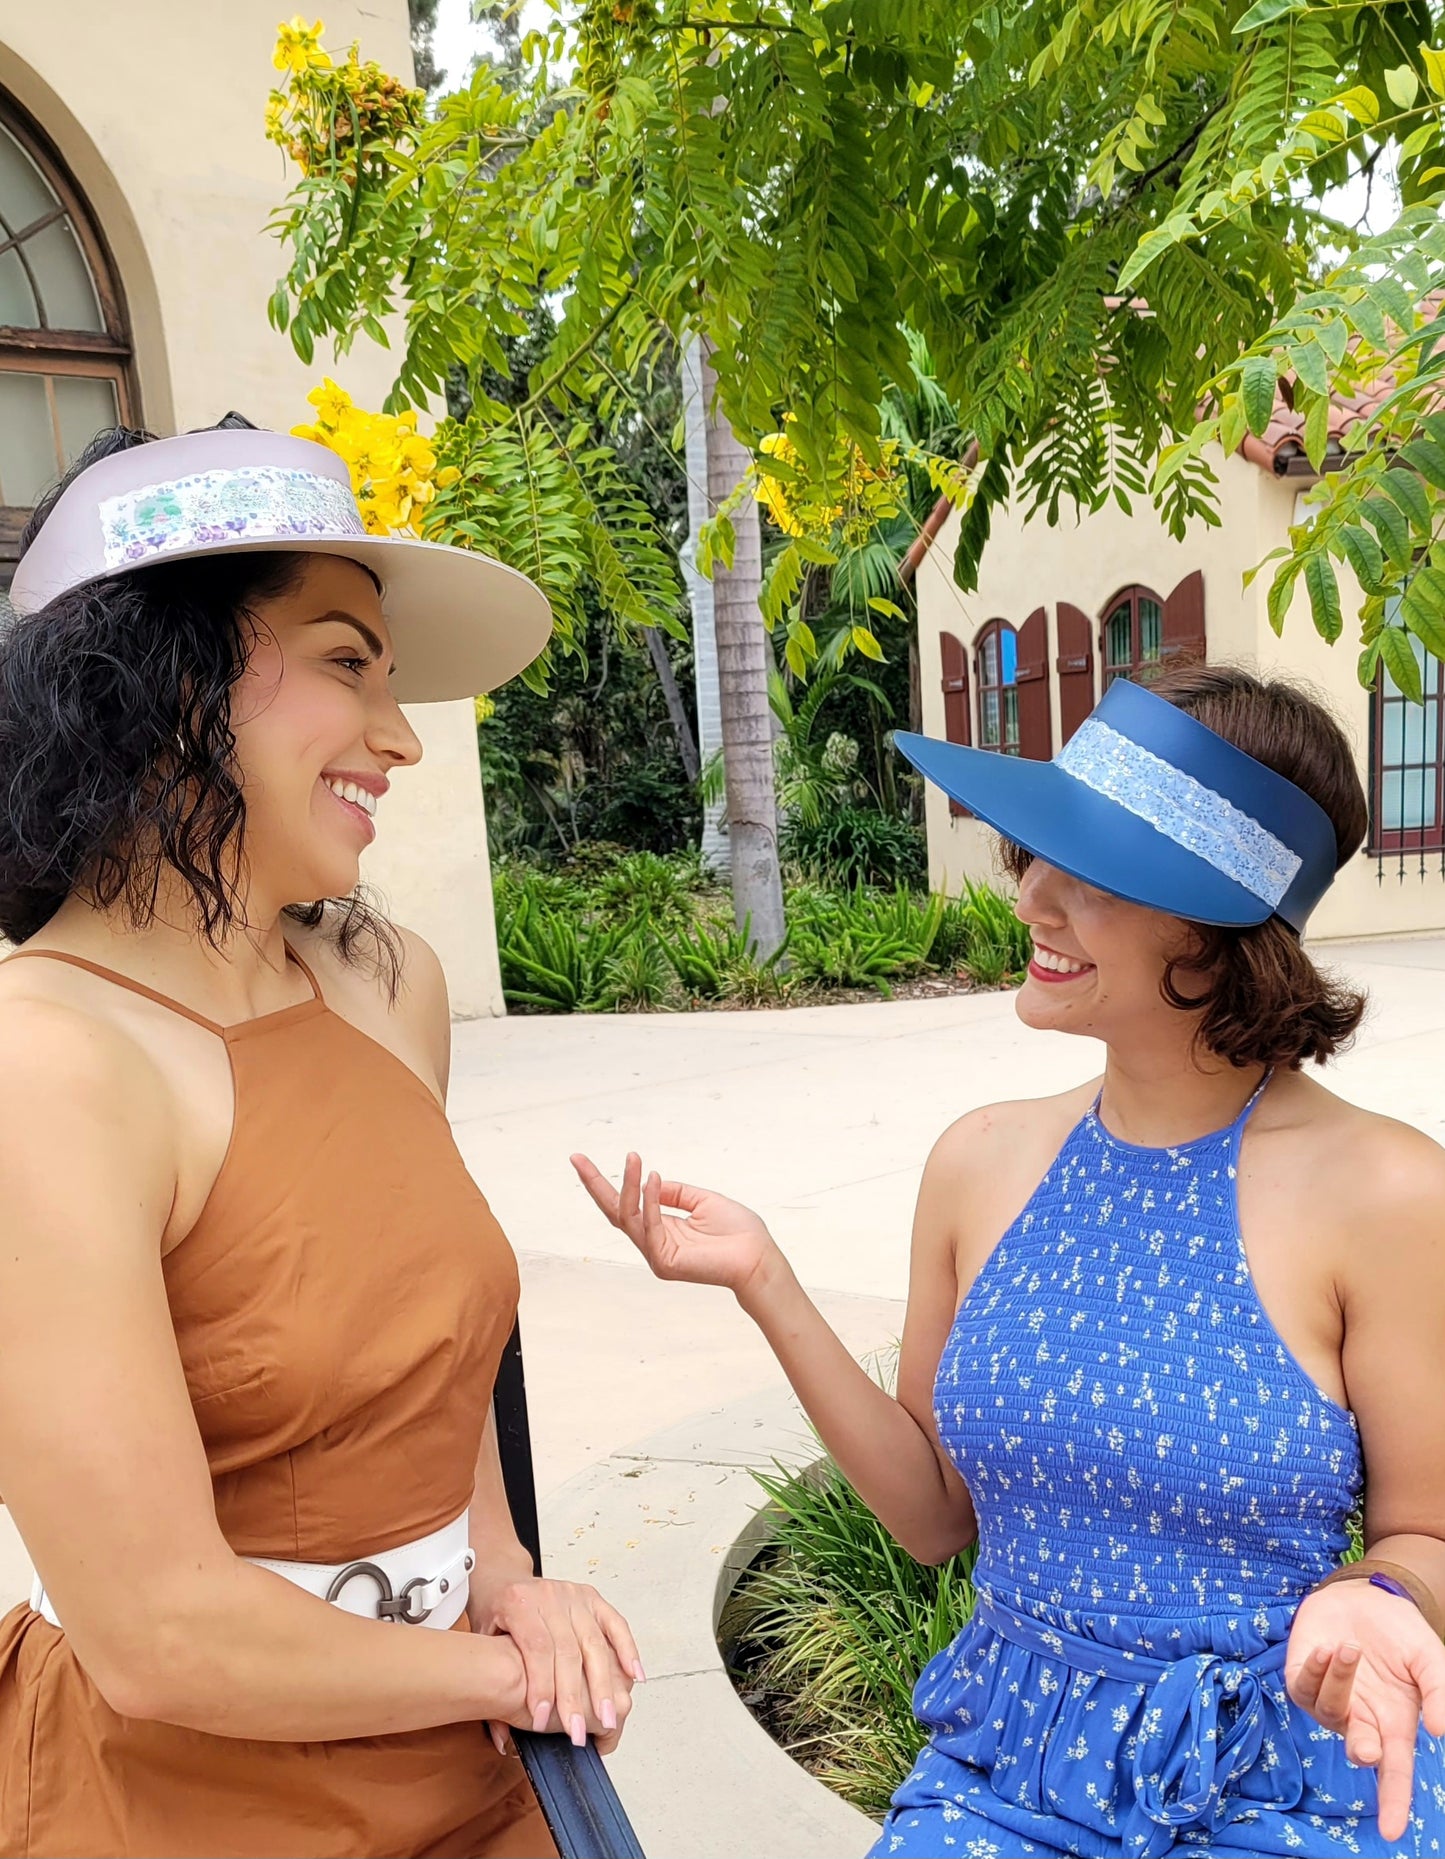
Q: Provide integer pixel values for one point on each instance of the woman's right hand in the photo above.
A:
(709, 1241)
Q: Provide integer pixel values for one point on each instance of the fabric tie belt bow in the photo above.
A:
(1202, 1730)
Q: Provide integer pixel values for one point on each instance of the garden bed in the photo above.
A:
(639, 932)
(826, 1631)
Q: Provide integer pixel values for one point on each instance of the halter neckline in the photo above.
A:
(1226, 1133)
(238, 1029)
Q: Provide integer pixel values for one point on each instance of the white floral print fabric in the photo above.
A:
(1158, 1483)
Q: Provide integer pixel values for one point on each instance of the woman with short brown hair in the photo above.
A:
(1163, 1331)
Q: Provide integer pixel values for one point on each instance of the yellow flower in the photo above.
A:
(331, 402)
(298, 48)
(448, 475)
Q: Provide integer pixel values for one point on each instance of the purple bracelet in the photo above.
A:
(1391, 1586)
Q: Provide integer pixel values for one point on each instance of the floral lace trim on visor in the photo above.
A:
(225, 506)
(1183, 809)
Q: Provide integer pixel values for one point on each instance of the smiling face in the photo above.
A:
(317, 733)
(1098, 962)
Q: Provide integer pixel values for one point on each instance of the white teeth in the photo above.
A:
(358, 796)
(1058, 964)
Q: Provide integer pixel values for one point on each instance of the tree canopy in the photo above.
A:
(1111, 226)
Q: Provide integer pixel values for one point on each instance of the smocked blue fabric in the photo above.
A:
(1158, 1482)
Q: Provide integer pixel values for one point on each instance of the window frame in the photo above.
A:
(95, 354)
(1400, 841)
(995, 629)
(1133, 593)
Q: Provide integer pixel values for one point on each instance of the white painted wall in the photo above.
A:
(158, 109)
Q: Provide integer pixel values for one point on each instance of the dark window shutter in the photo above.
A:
(1184, 619)
(1076, 668)
(955, 697)
(1036, 729)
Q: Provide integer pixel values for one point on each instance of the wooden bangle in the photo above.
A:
(1419, 1592)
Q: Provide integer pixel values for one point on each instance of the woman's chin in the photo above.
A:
(1038, 1005)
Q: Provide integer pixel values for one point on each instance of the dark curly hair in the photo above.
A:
(116, 751)
(1264, 1002)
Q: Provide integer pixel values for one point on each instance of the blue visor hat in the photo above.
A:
(1148, 804)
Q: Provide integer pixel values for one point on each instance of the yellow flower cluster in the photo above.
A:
(327, 110)
(798, 508)
(393, 467)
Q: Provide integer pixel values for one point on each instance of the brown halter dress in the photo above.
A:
(341, 1306)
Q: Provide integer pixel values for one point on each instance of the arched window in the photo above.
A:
(1132, 635)
(64, 348)
(996, 659)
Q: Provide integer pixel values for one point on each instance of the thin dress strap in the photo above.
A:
(150, 994)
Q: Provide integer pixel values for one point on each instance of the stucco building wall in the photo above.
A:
(157, 110)
(1086, 562)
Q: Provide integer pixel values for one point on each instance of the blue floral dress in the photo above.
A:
(1158, 1483)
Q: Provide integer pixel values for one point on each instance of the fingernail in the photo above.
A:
(1320, 1656)
(609, 1714)
(541, 1717)
(1349, 1654)
(578, 1727)
(638, 1673)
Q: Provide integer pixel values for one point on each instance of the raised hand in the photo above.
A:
(707, 1240)
(1367, 1665)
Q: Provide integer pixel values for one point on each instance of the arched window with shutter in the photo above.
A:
(996, 662)
(1139, 630)
(65, 351)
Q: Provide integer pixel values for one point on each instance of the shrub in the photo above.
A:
(554, 960)
(980, 932)
(862, 940)
(708, 957)
(856, 845)
(642, 886)
(831, 1627)
(637, 977)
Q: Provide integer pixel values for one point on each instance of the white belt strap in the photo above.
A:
(420, 1584)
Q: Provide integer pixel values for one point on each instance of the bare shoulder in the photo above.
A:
(415, 1020)
(1015, 1133)
(70, 1078)
(1369, 1175)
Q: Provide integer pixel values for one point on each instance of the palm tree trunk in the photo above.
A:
(714, 845)
(747, 721)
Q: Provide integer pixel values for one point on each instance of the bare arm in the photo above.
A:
(100, 1459)
(887, 1447)
(1361, 1660)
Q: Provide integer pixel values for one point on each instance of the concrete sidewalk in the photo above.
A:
(821, 1118)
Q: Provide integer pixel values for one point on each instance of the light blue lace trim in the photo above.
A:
(1183, 809)
(225, 506)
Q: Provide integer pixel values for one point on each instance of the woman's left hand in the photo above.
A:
(579, 1653)
(1365, 1663)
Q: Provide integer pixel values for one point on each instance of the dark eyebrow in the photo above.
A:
(369, 638)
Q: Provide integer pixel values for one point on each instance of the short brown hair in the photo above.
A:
(1265, 1003)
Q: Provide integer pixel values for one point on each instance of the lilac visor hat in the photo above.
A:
(461, 622)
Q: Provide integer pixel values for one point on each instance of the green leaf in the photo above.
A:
(1364, 556)
(1257, 382)
(1281, 593)
(1317, 431)
(1312, 366)
(888, 607)
(1265, 12)
(1399, 660)
(1422, 607)
(1232, 423)
(1178, 227)
(1428, 458)
(1324, 595)
(1419, 140)
(1434, 63)
(1369, 665)
(864, 641)
(1362, 104)
(1408, 494)
(1390, 527)
(1403, 86)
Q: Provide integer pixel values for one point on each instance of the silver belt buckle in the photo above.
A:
(405, 1606)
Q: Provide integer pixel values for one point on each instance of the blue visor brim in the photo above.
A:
(1071, 827)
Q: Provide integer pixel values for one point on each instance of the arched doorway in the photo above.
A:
(65, 350)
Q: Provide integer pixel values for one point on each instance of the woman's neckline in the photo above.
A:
(1094, 1118)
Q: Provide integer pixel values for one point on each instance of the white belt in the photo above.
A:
(421, 1584)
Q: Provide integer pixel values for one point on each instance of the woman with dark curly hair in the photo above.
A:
(1162, 1332)
(251, 1304)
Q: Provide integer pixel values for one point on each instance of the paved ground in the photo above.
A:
(821, 1118)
